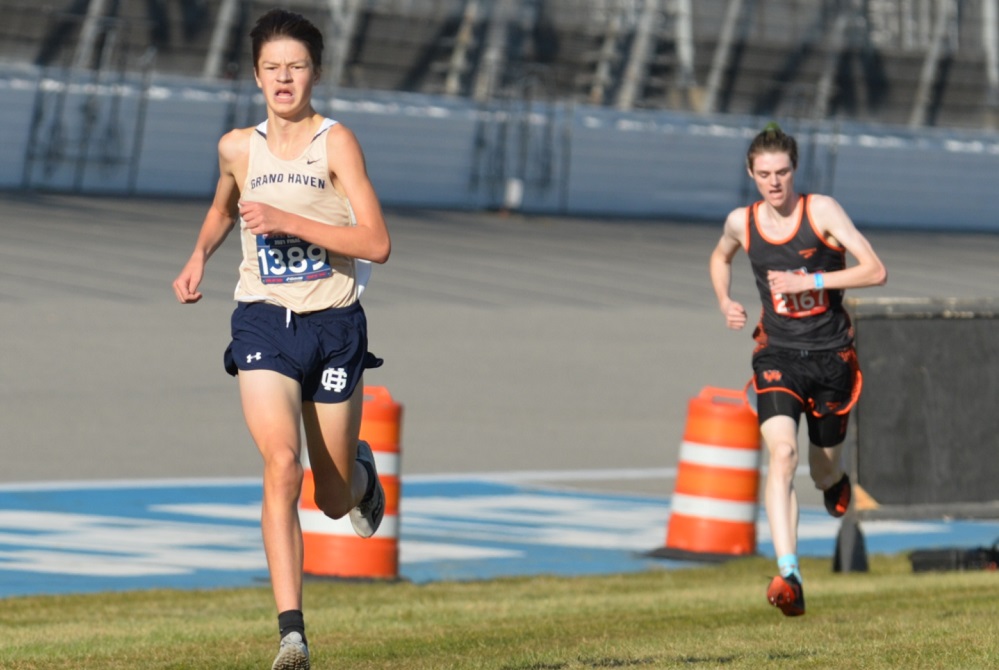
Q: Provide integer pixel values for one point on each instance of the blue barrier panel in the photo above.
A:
(438, 152)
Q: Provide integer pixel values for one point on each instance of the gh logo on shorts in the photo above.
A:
(334, 379)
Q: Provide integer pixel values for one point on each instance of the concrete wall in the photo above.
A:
(158, 138)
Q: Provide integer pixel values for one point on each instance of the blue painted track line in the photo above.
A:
(111, 536)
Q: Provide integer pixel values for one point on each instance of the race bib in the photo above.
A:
(800, 305)
(283, 259)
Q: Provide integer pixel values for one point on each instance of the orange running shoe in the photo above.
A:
(837, 497)
(786, 594)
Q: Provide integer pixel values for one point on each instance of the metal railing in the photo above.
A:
(629, 36)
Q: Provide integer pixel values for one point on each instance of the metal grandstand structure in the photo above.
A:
(915, 62)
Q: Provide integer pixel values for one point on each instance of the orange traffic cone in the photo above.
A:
(715, 504)
(332, 549)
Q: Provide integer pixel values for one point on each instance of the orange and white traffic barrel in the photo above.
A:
(332, 548)
(716, 499)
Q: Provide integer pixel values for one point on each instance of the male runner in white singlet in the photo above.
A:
(308, 215)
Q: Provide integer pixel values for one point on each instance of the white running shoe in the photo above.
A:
(293, 655)
(367, 516)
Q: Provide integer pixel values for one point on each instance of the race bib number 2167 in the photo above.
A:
(799, 305)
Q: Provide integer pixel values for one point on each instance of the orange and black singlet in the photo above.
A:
(814, 320)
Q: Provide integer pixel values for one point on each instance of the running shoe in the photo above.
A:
(786, 594)
(367, 516)
(293, 654)
(837, 497)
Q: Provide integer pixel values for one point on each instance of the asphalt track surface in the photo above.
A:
(552, 345)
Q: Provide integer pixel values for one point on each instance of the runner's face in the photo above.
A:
(285, 74)
(774, 177)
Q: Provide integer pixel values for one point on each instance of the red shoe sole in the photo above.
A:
(783, 596)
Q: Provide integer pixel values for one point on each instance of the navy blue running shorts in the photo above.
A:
(824, 385)
(325, 351)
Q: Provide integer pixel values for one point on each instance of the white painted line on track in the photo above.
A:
(85, 484)
(505, 477)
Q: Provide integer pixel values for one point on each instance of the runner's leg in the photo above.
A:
(780, 434)
(272, 408)
(331, 432)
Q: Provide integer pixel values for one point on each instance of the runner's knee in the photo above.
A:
(283, 474)
(783, 457)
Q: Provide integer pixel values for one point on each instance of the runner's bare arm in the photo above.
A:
(218, 221)
(833, 222)
(368, 240)
(720, 268)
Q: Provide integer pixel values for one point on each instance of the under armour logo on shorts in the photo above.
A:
(334, 379)
(253, 357)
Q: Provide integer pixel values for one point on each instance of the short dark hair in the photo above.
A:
(280, 23)
(772, 140)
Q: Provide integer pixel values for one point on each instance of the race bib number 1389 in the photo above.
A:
(285, 259)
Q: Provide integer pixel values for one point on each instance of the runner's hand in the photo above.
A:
(185, 286)
(735, 315)
(789, 283)
(260, 219)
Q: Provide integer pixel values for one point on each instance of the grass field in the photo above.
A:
(713, 617)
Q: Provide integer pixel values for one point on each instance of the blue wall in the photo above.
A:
(158, 138)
